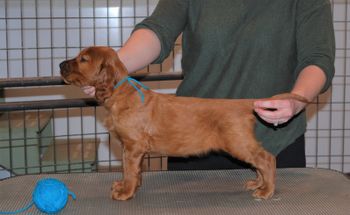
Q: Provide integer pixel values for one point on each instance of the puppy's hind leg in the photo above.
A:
(265, 164)
(256, 183)
(248, 149)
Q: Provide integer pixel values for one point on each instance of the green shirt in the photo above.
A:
(247, 49)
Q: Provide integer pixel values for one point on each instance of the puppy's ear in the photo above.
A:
(105, 82)
(111, 72)
(120, 69)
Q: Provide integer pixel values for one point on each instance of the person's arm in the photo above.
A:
(310, 82)
(315, 56)
(141, 49)
(153, 39)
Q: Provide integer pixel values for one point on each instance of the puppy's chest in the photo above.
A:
(126, 121)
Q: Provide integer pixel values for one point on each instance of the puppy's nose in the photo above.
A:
(63, 65)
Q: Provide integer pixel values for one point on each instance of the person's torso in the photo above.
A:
(239, 48)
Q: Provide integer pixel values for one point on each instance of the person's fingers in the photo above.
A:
(274, 111)
(272, 104)
(273, 119)
(281, 113)
(89, 90)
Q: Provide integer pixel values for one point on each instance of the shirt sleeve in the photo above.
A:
(167, 21)
(315, 37)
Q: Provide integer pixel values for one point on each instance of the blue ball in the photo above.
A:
(51, 195)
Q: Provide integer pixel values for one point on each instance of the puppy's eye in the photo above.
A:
(84, 59)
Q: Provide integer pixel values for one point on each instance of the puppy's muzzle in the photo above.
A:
(64, 66)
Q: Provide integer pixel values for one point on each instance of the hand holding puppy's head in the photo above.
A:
(94, 66)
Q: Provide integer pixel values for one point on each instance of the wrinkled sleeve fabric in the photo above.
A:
(315, 37)
(167, 21)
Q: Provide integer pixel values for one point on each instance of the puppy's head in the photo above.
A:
(94, 66)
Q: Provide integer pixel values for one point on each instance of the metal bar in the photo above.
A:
(345, 84)
(82, 139)
(52, 38)
(76, 46)
(22, 39)
(30, 82)
(68, 140)
(7, 40)
(80, 28)
(47, 104)
(40, 143)
(49, 81)
(37, 39)
(92, 17)
(25, 142)
(10, 142)
(108, 27)
(94, 21)
(95, 137)
(54, 136)
(330, 113)
(65, 34)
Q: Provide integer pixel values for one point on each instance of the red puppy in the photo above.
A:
(148, 122)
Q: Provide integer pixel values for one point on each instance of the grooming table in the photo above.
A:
(298, 191)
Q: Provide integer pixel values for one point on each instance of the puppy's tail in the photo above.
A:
(291, 96)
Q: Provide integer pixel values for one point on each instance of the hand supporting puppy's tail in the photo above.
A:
(280, 108)
(291, 96)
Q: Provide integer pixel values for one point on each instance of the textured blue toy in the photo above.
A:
(50, 196)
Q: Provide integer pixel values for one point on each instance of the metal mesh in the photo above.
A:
(328, 131)
(36, 35)
(299, 191)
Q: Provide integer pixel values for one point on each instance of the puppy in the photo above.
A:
(148, 122)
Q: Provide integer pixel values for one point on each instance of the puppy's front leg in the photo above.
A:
(132, 163)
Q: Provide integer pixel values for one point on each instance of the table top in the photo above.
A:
(298, 191)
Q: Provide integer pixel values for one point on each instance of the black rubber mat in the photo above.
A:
(299, 191)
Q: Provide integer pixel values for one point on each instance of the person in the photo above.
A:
(243, 49)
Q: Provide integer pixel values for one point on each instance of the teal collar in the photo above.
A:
(131, 81)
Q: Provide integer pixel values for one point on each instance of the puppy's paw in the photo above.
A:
(121, 195)
(263, 193)
(117, 186)
(253, 184)
(121, 191)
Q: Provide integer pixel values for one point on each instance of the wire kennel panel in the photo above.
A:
(38, 141)
(60, 140)
(36, 35)
(328, 132)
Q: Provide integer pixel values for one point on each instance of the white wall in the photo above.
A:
(328, 135)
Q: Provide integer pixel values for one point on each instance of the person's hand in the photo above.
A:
(89, 90)
(278, 112)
